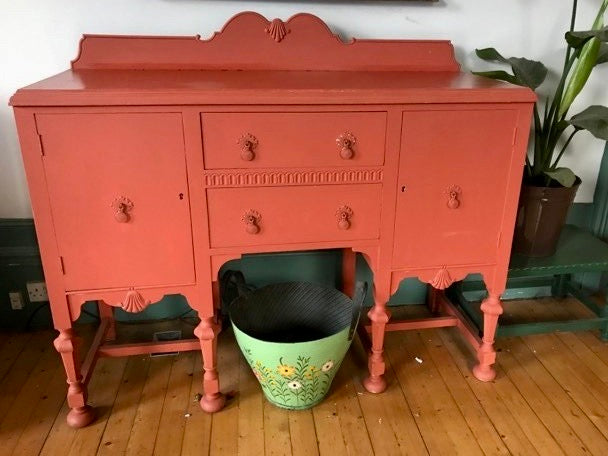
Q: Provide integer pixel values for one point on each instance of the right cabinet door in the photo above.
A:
(453, 173)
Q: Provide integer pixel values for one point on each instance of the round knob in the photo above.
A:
(344, 214)
(453, 202)
(345, 143)
(252, 227)
(248, 143)
(344, 224)
(346, 153)
(247, 152)
(122, 206)
(121, 217)
(252, 222)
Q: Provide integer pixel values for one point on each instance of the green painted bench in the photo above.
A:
(578, 252)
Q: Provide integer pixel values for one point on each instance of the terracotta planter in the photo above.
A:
(541, 215)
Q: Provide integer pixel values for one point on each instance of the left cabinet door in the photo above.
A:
(118, 190)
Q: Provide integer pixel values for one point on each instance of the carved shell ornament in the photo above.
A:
(277, 30)
(134, 302)
(442, 279)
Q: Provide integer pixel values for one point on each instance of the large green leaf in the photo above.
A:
(581, 72)
(578, 39)
(499, 75)
(528, 73)
(490, 54)
(564, 176)
(594, 119)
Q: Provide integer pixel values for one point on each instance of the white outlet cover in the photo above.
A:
(16, 300)
(37, 291)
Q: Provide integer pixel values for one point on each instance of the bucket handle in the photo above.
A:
(358, 299)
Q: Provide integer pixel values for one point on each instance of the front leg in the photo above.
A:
(492, 309)
(207, 331)
(80, 413)
(213, 400)
(379, 316)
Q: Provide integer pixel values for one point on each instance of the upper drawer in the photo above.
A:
(293, 139)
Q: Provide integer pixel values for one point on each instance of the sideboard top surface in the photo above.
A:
(253, 60)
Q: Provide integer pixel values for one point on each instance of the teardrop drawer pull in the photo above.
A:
(344, 214)
(251, 219)
(247, 143)
(453, 197)
(345, 143)
(122, 206)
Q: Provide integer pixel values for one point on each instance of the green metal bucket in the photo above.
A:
(294, 336)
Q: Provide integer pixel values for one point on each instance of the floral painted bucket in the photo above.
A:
(294, 336)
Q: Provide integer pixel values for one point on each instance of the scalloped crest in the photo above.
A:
(277, 30)
(442, 279)
(311, 46)
(134, 302)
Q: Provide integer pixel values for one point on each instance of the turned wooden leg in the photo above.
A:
(379, 316)
(107, 311)
(349, 265)
(80, 414)
(558, 287)
(207, 331)
(492, 309)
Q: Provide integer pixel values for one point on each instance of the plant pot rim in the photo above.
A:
(577, 182)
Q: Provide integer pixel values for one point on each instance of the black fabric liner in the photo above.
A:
(292, 312)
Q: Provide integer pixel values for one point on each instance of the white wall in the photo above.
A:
(39, 37)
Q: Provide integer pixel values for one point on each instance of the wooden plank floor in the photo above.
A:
(550, 398)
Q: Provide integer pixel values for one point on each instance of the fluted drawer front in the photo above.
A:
(293, 139)
(291, 215)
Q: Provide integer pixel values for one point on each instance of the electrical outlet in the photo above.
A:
(36, 291)
(16, 300)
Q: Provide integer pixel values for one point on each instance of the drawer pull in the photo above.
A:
(122, 206)
(345, 143)
(248, 143)
(453, 195)
(344, 214)
(252, 221)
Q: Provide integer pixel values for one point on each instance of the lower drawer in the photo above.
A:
(290, 215)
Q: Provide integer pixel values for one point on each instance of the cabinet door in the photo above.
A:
(96, 162)
(453, 172)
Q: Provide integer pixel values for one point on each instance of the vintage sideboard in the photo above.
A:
(154, 160)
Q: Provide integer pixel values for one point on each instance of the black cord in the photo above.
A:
(33, 314)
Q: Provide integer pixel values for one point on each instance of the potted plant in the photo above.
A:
(548, 189)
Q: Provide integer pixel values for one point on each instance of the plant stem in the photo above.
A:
(561, 152)
(572, 23)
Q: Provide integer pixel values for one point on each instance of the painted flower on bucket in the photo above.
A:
(285, 370)
(327, 366)
(294, 385)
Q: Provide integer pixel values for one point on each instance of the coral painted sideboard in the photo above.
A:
(154, 160)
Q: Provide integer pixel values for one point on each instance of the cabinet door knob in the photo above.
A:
(247, 143)
(251, 219)
(344, 214)
(122, 206)
(453, 197)
(345, 143)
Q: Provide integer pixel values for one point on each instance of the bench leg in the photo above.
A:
(558, 287)
(604, 329)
